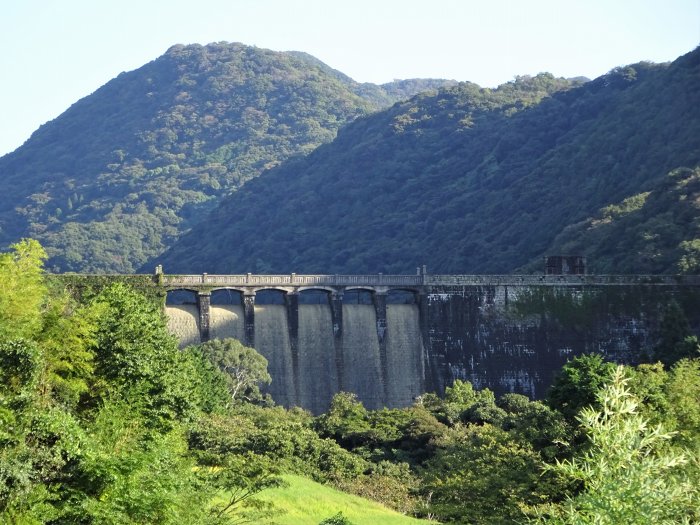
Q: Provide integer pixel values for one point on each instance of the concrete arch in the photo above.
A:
(180, 296)
(240, 289)
(328, 289)
(315, 295)
(359, 295)
(413, 289)
(401, 296)
(270, 296)
(282, 289)
(226, 296)
(351, 288)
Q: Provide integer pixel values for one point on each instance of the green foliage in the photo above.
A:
(389, 483)
(628, 472)
(337, 519)
(398, 435)
(284, 437)
(545, 429)
(651, 232)
(681, 411)
(346, 420)
(94, 408)
(241, 478)
(475, 180)
(481, 474)
(690, 260)
(676, 340)
(68, 337)
(83, 288)
(113, 181)
(244, 369)
(130, 474)
(19, 365)
(138, 358)
(23, 290)
(578, 383)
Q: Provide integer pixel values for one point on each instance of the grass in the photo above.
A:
(306, 502)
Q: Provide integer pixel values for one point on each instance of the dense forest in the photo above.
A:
(462, 178)
(104, 421)
(474, 180)
(122, 173)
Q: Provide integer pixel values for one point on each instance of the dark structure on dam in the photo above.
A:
(389, 338)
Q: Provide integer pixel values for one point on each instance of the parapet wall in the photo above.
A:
(421, 280)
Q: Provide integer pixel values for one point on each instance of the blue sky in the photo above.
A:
(55, 52)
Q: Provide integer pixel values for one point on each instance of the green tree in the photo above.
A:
(482, 474)
(244, 368)
(130, 473)
(682, 407)
(628, 472)
(68, 338)
(577, 384)
(23, 290)
(137, 358)
(690, 260)
(38, 440)
(675, 338)
(346, 420)
(240, 479)
(535, 423)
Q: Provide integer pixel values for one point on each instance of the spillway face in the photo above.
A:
(404, 355)
(362, 371)
(272, 341)
(183, 321)
(226, 321)
(318, 375)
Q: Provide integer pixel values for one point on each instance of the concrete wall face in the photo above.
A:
(516, 338)
(506, 337)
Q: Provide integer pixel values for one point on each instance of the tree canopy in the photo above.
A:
(475, 180)
(114, 180)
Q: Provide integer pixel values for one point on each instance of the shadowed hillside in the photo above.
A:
(470, 180)
(123, 172)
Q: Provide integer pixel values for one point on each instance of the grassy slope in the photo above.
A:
(306, 502)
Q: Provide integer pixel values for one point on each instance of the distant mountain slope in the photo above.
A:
(656, 231)
(467, 180)
(123, 172)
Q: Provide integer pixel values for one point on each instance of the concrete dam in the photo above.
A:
(390, 338)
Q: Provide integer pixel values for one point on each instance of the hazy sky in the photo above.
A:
(55, 52)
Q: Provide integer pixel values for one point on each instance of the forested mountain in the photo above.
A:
(656, 231)
(474, 180)
(121, 174)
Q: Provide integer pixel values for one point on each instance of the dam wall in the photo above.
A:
(389, 339)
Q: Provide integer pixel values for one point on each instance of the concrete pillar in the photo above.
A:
(379, 299)
(292, 302)
(430, 383)
(336, 300)
(249, 317)
(203, 305)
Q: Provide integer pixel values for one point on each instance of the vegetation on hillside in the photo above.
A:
(121, 174)
(473, 180)
(104, 421)
(657, 231)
